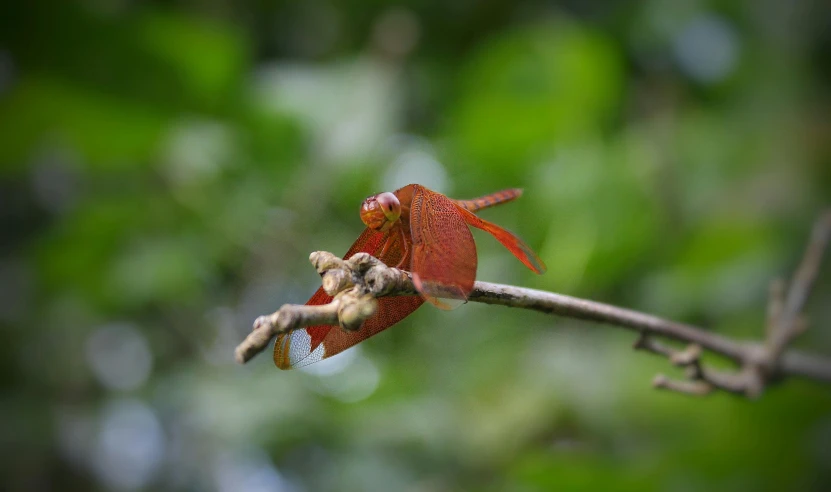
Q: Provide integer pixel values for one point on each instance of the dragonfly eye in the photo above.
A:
(381, 211)
(389, 205)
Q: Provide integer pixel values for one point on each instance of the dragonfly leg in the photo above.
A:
(406, 249)
(385, 249)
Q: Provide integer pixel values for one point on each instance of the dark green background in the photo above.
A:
(166, 168)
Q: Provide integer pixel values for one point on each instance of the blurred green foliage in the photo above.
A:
(167, 167)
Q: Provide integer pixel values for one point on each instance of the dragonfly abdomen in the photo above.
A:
(490, 200)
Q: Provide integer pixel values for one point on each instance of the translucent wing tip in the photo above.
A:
(292, 350)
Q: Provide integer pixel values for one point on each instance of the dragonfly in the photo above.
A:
(420, 231)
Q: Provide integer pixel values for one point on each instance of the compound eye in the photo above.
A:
(389, 205)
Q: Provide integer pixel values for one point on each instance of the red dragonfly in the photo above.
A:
(425, 233)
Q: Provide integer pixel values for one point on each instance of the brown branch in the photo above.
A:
(696, 388)
(356, 283)
(787, 321)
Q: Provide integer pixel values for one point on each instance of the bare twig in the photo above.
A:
(696, 388)
(776, 303)
(356, 283)
(787, 325)
(704, 377)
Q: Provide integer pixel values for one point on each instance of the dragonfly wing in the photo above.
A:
(313, 343)
(444, 254)
(514, 244)
(304, 346)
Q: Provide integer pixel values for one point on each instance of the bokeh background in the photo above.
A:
(166, 168)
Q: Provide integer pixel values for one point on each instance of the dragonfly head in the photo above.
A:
(381, 211)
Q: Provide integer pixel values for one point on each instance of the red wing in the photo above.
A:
(444, 254)
(314, 343)
(514, 244)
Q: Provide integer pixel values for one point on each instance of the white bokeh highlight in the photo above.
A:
(414, 161)
(129, 447)
(249, 470)
(707, 49)
(119, 356)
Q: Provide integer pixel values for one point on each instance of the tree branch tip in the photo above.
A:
(239, 355)
(688, 356)
(253, 344)
(361, 262)
(695, 388)
(324, 261)
(659, 380)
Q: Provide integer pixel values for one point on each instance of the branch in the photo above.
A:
(354, 283)
(357, 282)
